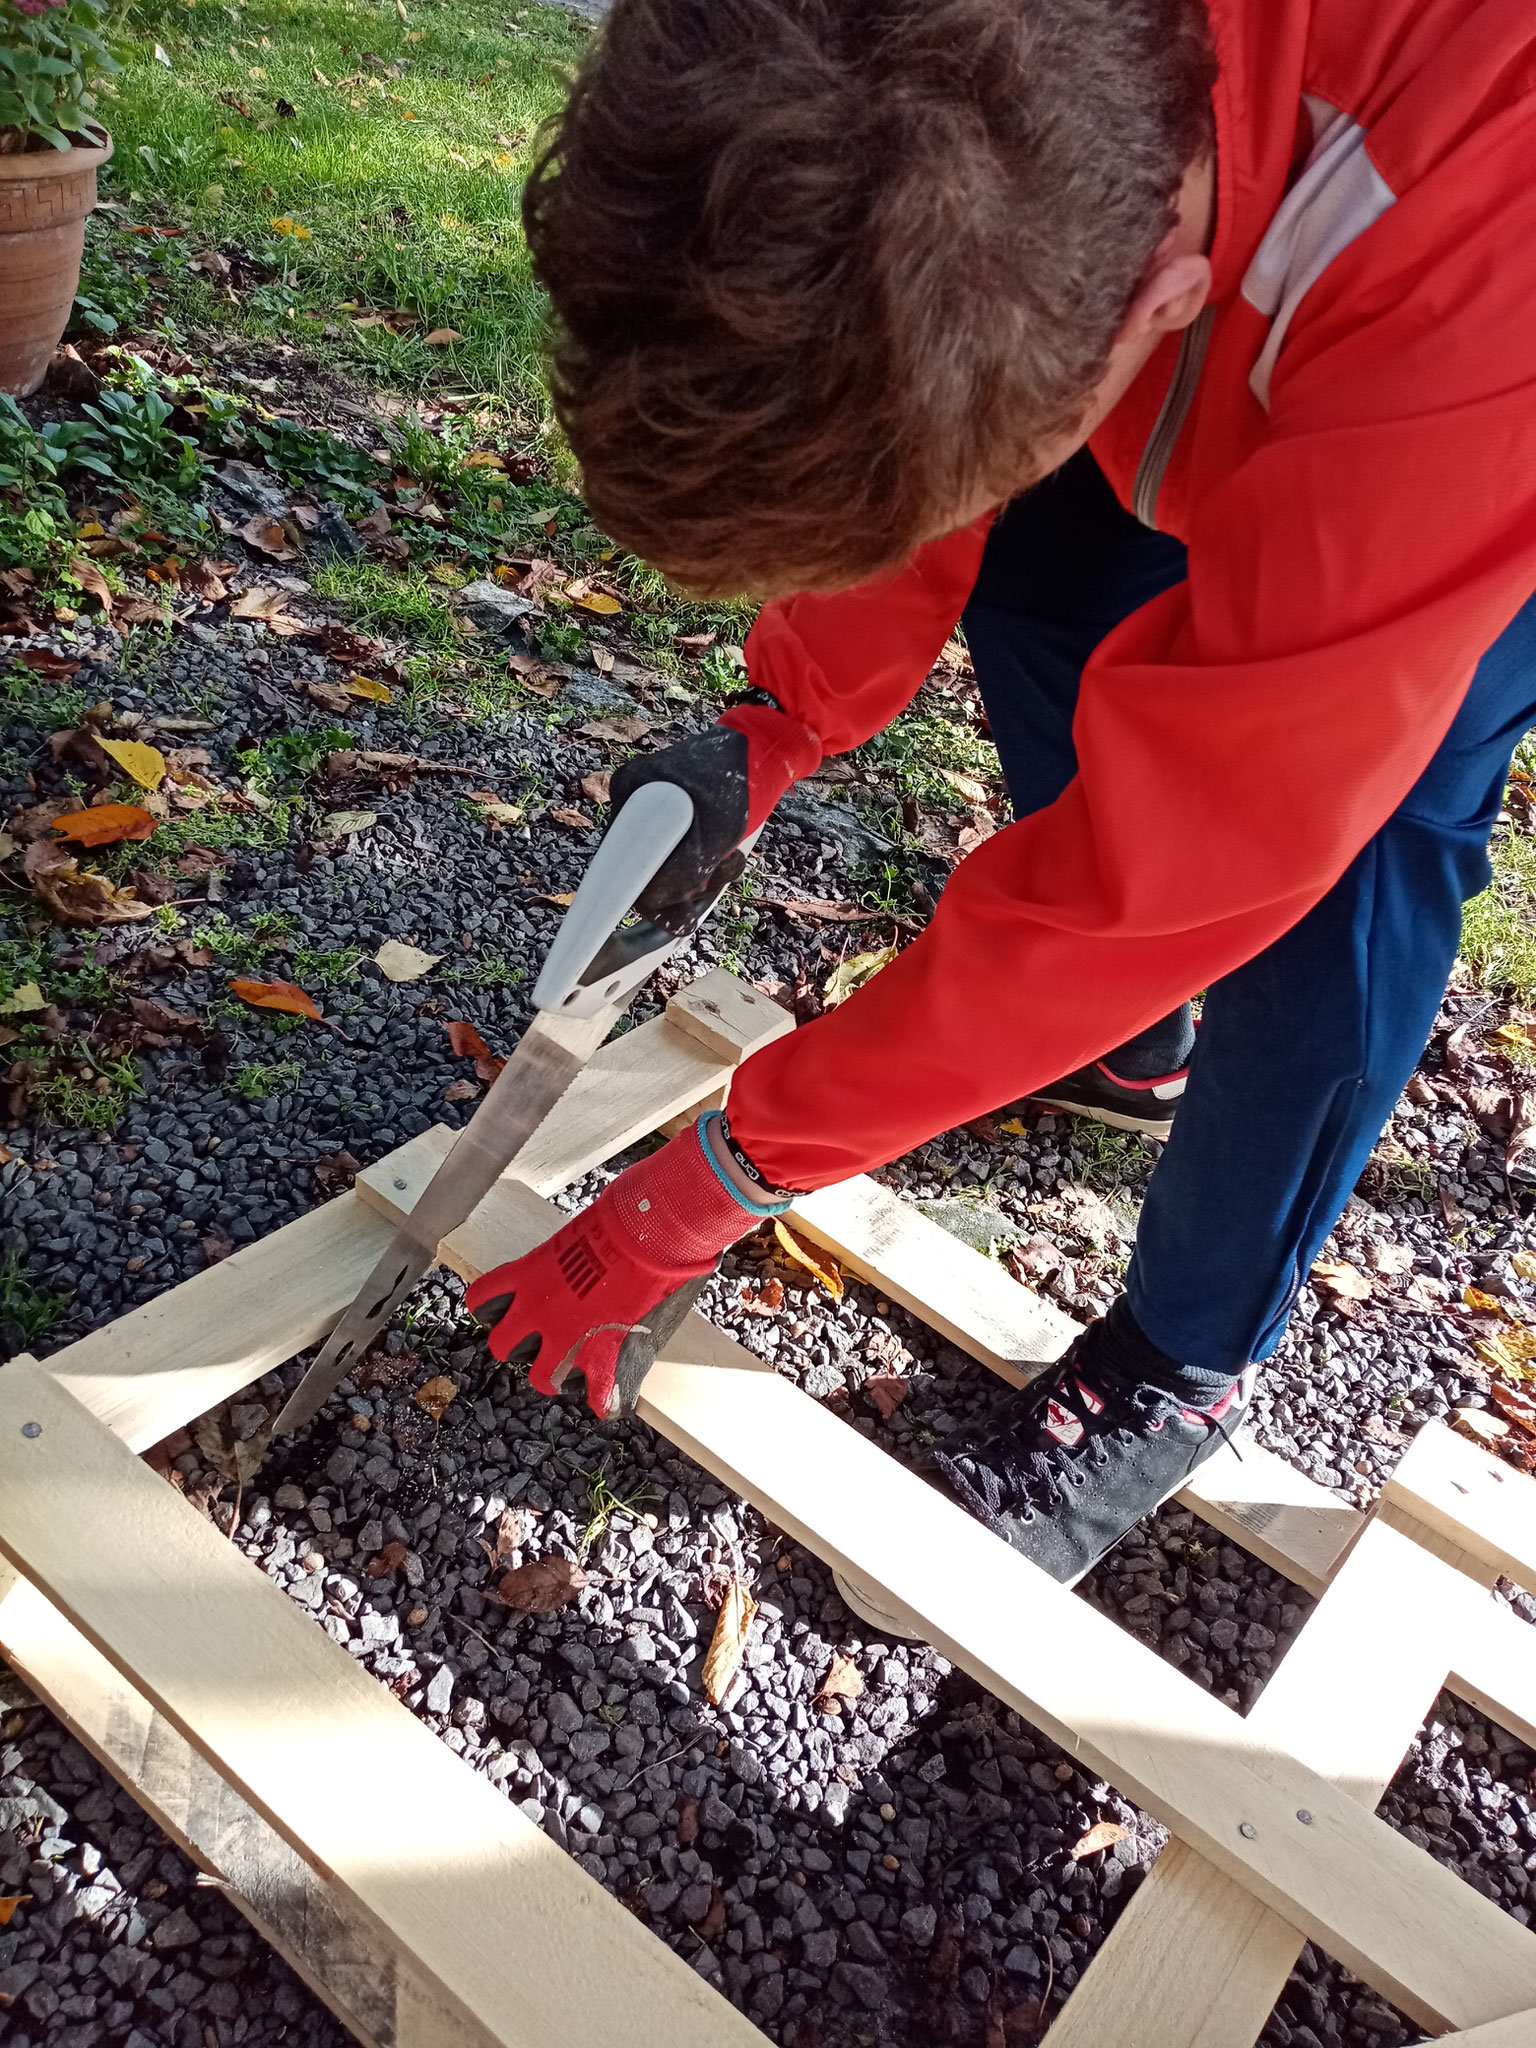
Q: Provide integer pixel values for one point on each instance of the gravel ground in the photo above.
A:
(897, 1870)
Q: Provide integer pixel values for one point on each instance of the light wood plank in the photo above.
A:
(1247, 1493)
(195, 1345)
(645, 1077)
(1196, 1959)
(509, 1933)
(1368, 1896)
(1518, 2031)
(161, 1365)
(1494, 1667)
(1471, 1497)
(358, 1970)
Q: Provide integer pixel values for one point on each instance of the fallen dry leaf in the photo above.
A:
(398, 962)
(1510, 1352)
(269, 605)
(1344, 1281)
(144, 764)
(578, 821)
(814, 910)
(275, 995)
(8, 1906)
(1102, 1835)
(440, 337)
(105, 824)
(1456, 1218)
(542, 1587)
(1389, 1258)
(695, 645)
(729, 1641)
(852, 974)
(461, 1091)
(765, 1300)
(269, 537)
(1484, 1304)
(469, 1045)
(887, 1390)
(844, 1681)
(366, 686)
(512, 1532)
(437, 1395)
(595, 787)
(1524, 1265)
(821, 1266)
(385, 1561)
(1519, 1408)
(1478, 1424)
(80, 896)
(91, 580)
(623, 732)
(42, 661)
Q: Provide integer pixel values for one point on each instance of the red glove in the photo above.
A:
(584, 1298)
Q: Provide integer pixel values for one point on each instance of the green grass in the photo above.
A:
(914, 747)
(407, 187)
(377, 597)
(1498, 928)
(261, 1078)
(26, 1313)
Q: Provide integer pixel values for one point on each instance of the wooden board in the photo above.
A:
(1472, 1497)
(505, 1930)
(357, 1969)
(1518, 2031)
(1262, 1503)
(645, 1077)
(161, 1365)
(1426, 1940)
(1200, 1961)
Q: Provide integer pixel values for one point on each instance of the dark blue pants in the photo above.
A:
(1302, 1053)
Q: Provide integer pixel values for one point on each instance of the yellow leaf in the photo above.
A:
(973, 791)
(441, 336)
(1511, 1351)
(8, 1907)
(1485, 1304)
(729, 1641)
(1014, 1127)
(366, 686)
(821, 1265)
(144, 764)
(1524, 1264)
(436, 1396)
(1507, 1034)
(1102, 1835)
(399, 962)
(26, 996)
(92, 530)
(1342, 1279)
(598, 601)
(853, 973)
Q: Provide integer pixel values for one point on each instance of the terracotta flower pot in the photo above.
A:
(45, 195)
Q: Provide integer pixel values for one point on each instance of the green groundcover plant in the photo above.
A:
(52, 54)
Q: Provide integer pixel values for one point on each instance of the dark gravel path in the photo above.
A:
(899, 1870)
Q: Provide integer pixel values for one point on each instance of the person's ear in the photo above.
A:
(1170, 298)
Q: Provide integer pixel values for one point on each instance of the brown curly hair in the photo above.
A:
(825, 271)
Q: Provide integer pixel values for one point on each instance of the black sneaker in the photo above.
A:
(1071, 1466)
(1093, 1091)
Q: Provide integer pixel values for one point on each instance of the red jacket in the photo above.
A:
(1356, 482)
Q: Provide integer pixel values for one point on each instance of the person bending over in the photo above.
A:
(1185, 352)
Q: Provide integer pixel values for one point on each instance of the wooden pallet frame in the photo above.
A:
(425, 1909)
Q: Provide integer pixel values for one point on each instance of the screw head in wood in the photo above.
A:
(1247, 1830)
(399, 1183)
(1303, 1816)
(31, 1429)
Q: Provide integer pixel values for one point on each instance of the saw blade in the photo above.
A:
(548, 1057)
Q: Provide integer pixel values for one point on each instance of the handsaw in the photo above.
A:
(597, 962)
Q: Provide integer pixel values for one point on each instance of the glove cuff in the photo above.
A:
(715, 1132)
(781, 751)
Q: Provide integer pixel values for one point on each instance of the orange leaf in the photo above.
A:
(436, 1396)
(728, 1644)
(887, 1390)
(1102, 1835)
(105, 825)
(1486, 1304)
(91, 580)
(820, 1265)
(275, 995)
(8, 1907)
(469, 1045)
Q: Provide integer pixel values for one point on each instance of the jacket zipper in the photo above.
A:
(1169, 423)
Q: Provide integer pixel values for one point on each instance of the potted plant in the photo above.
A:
(51, 54)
